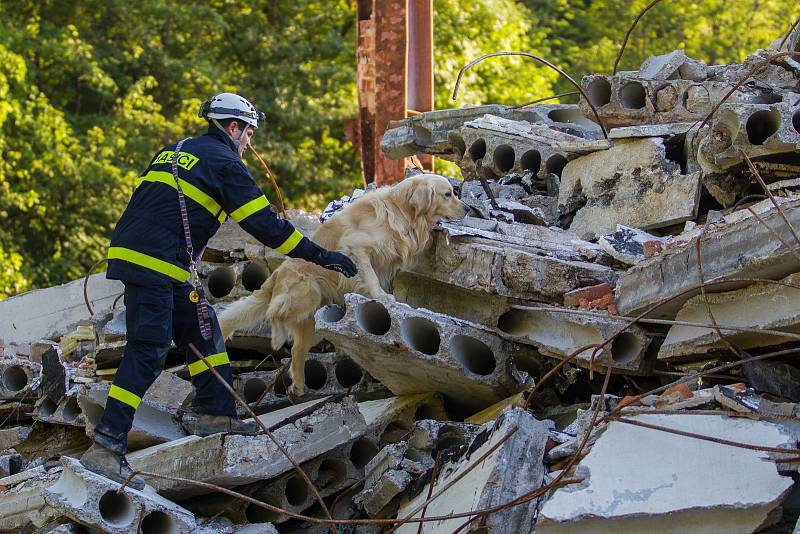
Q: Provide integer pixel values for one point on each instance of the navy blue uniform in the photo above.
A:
(148, 254)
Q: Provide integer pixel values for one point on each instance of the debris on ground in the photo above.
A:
(606, 343)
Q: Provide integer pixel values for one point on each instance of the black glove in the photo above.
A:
(336, 261)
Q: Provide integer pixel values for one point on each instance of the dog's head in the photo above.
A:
(432, 196)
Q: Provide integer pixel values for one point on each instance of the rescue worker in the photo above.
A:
(156, 260)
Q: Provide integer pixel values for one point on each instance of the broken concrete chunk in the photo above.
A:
(65, 412)
(671, 66)
(674, 271)
(11, 437)
(93, 500)
(233, 460)
(155, 419)
(413, 350)
(631, 184)
(512, 470)
(18, 378)
(560, 334)
(22, 503)
(627, 244)
(756, 307)
(695, 486)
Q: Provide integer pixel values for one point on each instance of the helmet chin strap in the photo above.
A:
(236, 142)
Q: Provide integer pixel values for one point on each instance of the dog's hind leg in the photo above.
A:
(304, 335)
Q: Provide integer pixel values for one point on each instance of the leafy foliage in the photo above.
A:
(90, 90)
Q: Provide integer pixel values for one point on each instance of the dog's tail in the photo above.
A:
(247, 311)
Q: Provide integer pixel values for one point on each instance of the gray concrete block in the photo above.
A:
(22, 505)
(757, 254)
(66, 412)
(414, 351)
(155, 420)
(632, 184)
(560, 334)
(693, 486)
(48, 313)
(504, 146)
(760, 130)
(627, 99)
(92, 500)
(233, 460)
(326, 374)
(19, 378)
(11, 437)
(513, 469)
(759, 306)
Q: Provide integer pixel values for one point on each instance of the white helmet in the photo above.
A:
(231, 106)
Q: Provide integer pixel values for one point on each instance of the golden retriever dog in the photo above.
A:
(382, 232)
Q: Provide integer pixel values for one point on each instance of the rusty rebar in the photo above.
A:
(551, 97)
(541, 60)
(630, 30)
(272, 179)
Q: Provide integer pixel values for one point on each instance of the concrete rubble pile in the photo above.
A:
(606, 343)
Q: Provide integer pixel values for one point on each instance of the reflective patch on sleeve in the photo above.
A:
(243, 212)
(290, 243)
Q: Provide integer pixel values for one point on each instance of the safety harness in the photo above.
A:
(196, 295)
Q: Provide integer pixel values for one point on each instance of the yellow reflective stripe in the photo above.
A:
(188, 189)
(124, 396)
(215, 360)
(149, 262)
(290, 243)
(250, 208)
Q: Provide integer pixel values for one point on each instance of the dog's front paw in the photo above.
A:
(297, 390)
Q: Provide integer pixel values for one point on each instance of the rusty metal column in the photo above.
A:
(420, 62)
(381, 72)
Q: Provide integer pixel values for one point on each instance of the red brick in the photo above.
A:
(651, 248)
(681, 389)
(573, 298)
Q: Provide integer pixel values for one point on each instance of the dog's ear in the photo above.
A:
(421, 197)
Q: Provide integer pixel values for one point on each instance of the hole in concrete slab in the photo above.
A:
(426, 411)
(625, 348)
(116, 509)
(158, 522)
(71, 409)
(393, 432)
(528, 365)
(420, 334)
(362, 451)
(253, 276)
(331, 473)
(253, 389)
(767, 98)
(316, 375)
(531, 161)
(449, 442)
(513, 322)
(47, 408)
(504, 157)
(555, 164)
(570, 115)
(296, 491)
(348, 373)
(374, 318)
(761, 125)
(459, 146)
(14, 378)
(599, 91)
(477, 150)
(221, 281)
(473, 354)
(796, 121)
(632, 95)
(332, 313)
(256, 514)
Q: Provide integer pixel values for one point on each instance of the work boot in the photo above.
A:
(206, 424)
(111, 465)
